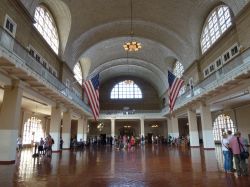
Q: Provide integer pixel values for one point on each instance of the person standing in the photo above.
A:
(142, 140)
(40, 147)
(19, 143)
(229, 137)
(226, 152)
(235, 144)
(61, 143)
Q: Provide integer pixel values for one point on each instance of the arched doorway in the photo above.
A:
(127, 130)
(33, 130)
(221, 124)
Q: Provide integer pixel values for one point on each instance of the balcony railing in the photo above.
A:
(229, 71)
(128, 112)
(32, 66)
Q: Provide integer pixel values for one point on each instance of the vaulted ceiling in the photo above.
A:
(93, 32)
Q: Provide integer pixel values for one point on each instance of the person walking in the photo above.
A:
(235, 144)
(226, 153)
(229, 137)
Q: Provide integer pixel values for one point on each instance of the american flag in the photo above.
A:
(91, 88)
(175, 85)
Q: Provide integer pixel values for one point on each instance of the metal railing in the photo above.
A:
(229, 71)
(128, 112)
(32, 66)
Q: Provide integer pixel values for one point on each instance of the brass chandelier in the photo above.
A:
(132, 45)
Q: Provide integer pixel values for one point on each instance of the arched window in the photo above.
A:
(222, 123)
(178, 72)
(126, 90)
(32, 131)
(45, 24)
(78, 73)
(218, 21)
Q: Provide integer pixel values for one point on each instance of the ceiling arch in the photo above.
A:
(153, 57)
(94, 32)
(150, 31)
(145, 70)
(132, 70)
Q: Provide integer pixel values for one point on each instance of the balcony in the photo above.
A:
(131, 114)
(17, 62)
(237, 69)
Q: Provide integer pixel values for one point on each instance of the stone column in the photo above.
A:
(193, 128)
(55, 126)
(113, 127)
(66, 129)
(9, 120)
(175, 127)
(207, 129)
(85, 129)
(80, 129)
(142, 127)
(170, 129)
(165, 130)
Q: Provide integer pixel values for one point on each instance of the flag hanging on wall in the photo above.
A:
(91, 88)
(175, 85)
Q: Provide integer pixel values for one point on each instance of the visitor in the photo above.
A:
(235, 144)
(142, 140)
(226, 153)
(229, 137)
(61, 143)
(19, 143)
(40, 147)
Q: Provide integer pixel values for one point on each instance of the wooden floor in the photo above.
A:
(151, 165)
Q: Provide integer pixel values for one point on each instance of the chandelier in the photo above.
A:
(154, 126)
(132, 45)
(100, 126)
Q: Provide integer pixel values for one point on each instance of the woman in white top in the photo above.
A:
(226, 153)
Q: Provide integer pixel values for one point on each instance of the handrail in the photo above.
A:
(30, 64)
(128, 112)
(228, 72)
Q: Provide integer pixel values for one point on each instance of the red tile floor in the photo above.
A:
(150, 165)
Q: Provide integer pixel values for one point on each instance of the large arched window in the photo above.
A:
(178, 72)
(126, 90)
(221, 124)
(78, 73)
(45, 24)
(218, 21)
(32, 131)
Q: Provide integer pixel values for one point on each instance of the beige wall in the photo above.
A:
(243, 27)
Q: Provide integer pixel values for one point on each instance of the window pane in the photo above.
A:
(126, 90)
(46, 26)
(217, 23)
(222, 123)
(78, 73)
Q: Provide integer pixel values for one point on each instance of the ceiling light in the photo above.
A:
(132, 46)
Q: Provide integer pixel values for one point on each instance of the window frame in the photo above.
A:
(120, 91)
(81, 73)
(206, 23)
(49, 40)
(8, 18)
(178, 71)
(226, 123)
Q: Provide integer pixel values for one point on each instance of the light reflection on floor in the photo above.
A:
(143, 163)
(28, 166)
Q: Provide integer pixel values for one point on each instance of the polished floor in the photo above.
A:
(150, 165)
